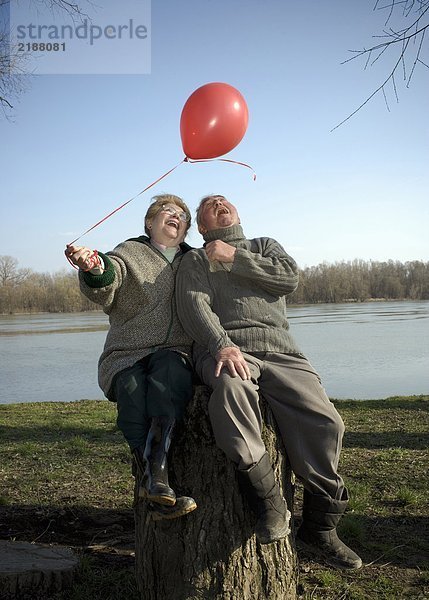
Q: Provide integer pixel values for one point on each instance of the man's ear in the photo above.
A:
(202, 229)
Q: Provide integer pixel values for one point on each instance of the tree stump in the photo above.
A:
(35, 570)
(212, 553)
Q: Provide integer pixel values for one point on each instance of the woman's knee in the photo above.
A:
(168, 365)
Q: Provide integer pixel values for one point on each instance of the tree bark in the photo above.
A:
(212, 553)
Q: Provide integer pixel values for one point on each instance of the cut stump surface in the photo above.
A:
(31, 570)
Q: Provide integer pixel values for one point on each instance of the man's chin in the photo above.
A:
(226, 222)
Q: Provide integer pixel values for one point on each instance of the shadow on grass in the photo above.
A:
(386, 439)
(72, 525)
(398, 540)
(103, 539)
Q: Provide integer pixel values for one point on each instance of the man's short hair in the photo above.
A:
(203, 201)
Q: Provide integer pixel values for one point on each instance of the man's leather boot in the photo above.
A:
(318, 533)
(152, 462)
(263, 492)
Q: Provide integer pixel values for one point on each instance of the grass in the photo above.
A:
(384, 463)
(65, 478)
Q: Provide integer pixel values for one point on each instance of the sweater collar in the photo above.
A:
(144, 239)
(226, 234)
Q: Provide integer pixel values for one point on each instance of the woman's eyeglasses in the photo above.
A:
(170, 210)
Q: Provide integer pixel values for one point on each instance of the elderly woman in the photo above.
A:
(144, 366)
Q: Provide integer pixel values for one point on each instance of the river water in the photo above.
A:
(364, 350)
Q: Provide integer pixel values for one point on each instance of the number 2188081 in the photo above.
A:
(41, 47)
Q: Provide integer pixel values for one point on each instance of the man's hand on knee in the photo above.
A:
(234, 361)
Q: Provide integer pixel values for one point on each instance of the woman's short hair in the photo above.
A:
(158, 202)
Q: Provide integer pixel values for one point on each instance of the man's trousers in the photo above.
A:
(309, 424)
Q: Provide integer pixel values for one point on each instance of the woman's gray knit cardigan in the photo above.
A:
(136, 290)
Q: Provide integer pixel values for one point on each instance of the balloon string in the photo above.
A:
(93, 260)
(228, 160)
(127, 202)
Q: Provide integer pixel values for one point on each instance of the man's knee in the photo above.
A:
(230, 391)
(335, 423)
(340, 425)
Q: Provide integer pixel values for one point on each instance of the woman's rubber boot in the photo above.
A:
(183, 506)
(318, 533)
(263, 492)
(153, 461)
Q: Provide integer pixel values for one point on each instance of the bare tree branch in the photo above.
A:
(63, 5)
(380, 88)
(385, 99)
(5, 102)
(386, 44)
(394, 88)
(418, 11)
(13, 63)
(12, 66)
(417, 58)
(9, 272)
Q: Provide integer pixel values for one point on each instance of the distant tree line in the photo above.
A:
(361, 280)
(24, 291)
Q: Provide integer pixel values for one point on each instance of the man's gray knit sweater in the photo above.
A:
(136, 290)
(239, 304)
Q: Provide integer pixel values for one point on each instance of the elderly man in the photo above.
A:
(231, 298)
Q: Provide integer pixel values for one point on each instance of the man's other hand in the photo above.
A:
(234, 361)
(220, 251)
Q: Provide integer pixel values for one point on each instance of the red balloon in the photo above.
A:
(213, 121)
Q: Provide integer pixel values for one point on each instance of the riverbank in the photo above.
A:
(65, 479)
(92, 310)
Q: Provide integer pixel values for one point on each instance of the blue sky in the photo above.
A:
(80, 145)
